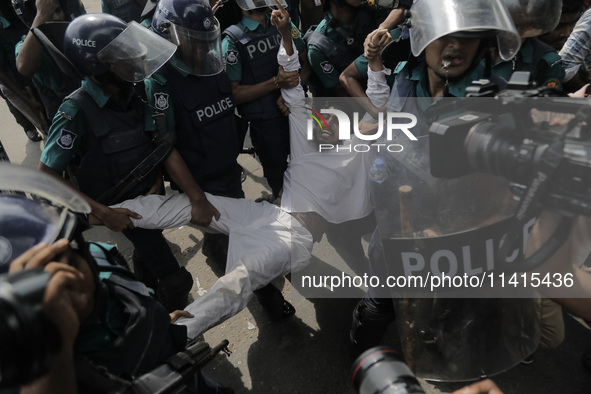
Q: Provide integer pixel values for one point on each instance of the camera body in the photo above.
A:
(504, 140)
(29, 341)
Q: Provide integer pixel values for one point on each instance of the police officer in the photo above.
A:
(194, 89)
(106, 126)
(110, 327)
(532, 19)
(337, 41)
(250, 48)
(34, 61)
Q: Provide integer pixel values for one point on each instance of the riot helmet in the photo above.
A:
(26, 10)
(190, 24)
(97, 43)
(432, 19)
(46, 217)
(248, 5)
(534, 17)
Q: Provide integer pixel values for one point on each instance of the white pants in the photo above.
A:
(265, 242)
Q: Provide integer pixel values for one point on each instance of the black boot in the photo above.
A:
(272, 301)
(369, 325)
(175, 289)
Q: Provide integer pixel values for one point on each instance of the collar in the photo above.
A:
(456, 88)
(100, 95)
(253, 25)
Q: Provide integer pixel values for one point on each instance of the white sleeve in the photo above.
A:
(378, 90)
(290, 63)
(159, 212)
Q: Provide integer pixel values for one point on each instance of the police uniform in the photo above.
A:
(540, 59)
(128, 10)
(201, 112)
(109, 142)
(133, 334)
(251, 57)
(53, 85)
(328, 51)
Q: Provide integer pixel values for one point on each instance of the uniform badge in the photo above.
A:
(231, 57)
(327, 67)
(161, 101)
(66, 139)
(206, 23)
(553, 83)
(295, 33)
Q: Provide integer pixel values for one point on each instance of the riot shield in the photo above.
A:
(436, 239)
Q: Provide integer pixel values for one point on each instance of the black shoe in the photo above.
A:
(369, 325)
(175, 289)
(272, 301)
(33, 135)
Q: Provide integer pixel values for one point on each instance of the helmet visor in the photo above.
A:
(534, 17)
(254, 4)
(433, 19)
(199, 52)
(136, 53)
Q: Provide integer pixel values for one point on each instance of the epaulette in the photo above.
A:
(64, 115)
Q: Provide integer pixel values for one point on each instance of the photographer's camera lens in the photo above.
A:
(381, 370)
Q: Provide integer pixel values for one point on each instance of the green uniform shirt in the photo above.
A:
(550, 68)
(67, 134)
(229, 47)
(322, 67)
(48, 74)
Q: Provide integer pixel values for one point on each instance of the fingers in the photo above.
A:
(39, 255)
(174, 316)
(280, 7)
(216, 213)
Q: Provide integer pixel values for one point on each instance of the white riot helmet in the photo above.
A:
(433, 19)
(534, 17)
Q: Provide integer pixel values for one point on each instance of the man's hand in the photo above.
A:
(116, 219)
(486, 386)
(280, 18)
(287, 80)
(202, 212)
(375, 42)
(282, 106)
(64, 297)
(174, 316)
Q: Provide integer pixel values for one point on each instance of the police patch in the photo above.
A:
(327, 67)
(161, 101)
(553, 83)
(231, 57)
(295, 33)
(66, 139)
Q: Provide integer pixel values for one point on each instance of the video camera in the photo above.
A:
(381, 370)
(494, 132)
(29, 341)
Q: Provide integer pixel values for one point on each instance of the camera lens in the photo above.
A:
(494, 149)
(382, 370)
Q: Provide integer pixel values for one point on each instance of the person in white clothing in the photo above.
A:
(267, 241)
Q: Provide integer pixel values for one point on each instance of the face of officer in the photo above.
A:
(54, 9)
(557, 37)
(449, 57)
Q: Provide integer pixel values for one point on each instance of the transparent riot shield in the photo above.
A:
(437, 239)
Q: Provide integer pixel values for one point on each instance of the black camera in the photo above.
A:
(498, 135)
(29, 340)
(381, 370)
